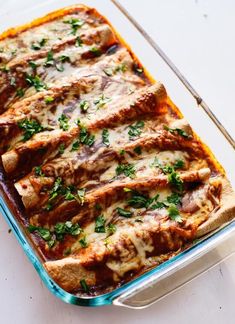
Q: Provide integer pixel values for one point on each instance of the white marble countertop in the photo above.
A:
(199, 38)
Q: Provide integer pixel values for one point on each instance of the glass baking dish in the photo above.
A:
(205, 253)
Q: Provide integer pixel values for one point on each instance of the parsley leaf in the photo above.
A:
(30, 127)
(84, 105)
(61, 148)
(38, 171)
(20, 92)
(138, 150)
(100, 224)
(85, 137)
(105, 137)
(75, 24)
(123, 212)
(179, 164)
(101, 101)
(37, 46)
(127, 169)
(83, 242)
(36, 82)
(179, 131)
(95, 51)
(173, 212)
(49, 100)
(84, 286)
(75, 146)
(78, 42)
(111, 228)
(135, 130)
(63, 121)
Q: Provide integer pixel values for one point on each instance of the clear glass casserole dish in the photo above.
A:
(167, 277)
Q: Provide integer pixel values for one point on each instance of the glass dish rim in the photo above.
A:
(110, 297)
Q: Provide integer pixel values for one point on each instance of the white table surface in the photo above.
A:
(199, 38)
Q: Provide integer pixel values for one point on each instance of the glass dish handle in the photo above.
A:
(171, 280)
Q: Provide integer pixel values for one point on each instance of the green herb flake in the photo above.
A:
(49, 100)
(179, 131)
(100, 224)
(64, 122)
(175, 180)
(84, 286)
(36, 82)
(138, 150)
(127, 169)
(83, 242)
(29, 127)
(101, 101)
(174, 198)
(105, 137)
(124, 213)
(20, 92)
(122, 152)
(95, 51)
(84, 106)
(111, 228)
(179, 164)
(85, 137)
(33, 65)
(75, 24)
(173, 213)
(37, 46)
(135, 130)
(38, 171)
(79, 42)
(75, 146)
(61, 148)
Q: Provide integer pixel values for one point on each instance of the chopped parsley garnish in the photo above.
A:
(78, 42)
(135, 130)
(44, 233)
(122, 152)
(111, 228)
(69, 192)
(179, 164)
(75, 24)
(101, 101)
(64, 122)
(95, 51)
(49, 100)
(179, 131)
(38, 171)
(36, 82)
(56, 234)
(105, 137)
(173, 213)
(124, 213)
(75, 146)
(62, 59)
(175, 180)
(20, 92)
(37, 46)
(138, 150)
(83, 242)
(84, 286)
(98, 207)
(84, 105)
(33, 65)
(56, 189)
(50, 59)
(173, 176)
(61, 148)
(127, 169)
(174, 198)
(61, 229)
(30, 127)
(138, 200)
(85, 137)
(100, 224)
